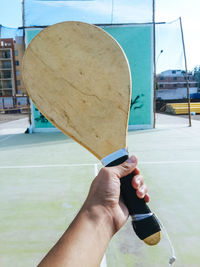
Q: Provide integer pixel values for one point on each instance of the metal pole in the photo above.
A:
(23, 19)
(23, 24)
(161, 51)
(3, 103)
(154, 65)
(186, 73)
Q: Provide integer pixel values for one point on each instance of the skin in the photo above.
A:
(101, 216)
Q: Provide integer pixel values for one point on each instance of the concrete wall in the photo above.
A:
(169, 94)
(136, 41)
(8, 102)
(19, 53)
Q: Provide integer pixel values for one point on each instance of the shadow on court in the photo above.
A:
(22, 139)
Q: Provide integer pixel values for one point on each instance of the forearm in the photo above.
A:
(102, 215)
(85, 241)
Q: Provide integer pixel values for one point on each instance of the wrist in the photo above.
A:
(101, 218)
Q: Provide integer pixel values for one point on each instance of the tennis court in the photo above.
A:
(44, 179)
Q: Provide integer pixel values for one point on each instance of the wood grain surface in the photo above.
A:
(79, 78)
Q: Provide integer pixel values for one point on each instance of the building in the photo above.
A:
(11, 54)
(171, 85)
(172, 79)
(7, 68)
(19, 53)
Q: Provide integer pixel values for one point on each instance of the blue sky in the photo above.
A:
(168, 10)
(124, 11)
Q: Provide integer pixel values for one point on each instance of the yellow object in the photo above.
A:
(182, 108)
(153, 239)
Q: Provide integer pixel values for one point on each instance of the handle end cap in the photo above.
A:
(148, 229)
(153, 239)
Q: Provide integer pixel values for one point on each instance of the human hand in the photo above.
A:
(100, 217)
(105, 191)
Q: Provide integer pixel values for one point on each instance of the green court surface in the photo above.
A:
(44, 179)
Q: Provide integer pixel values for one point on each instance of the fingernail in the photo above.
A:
(142, 191)
(132, 159)
(137, 181)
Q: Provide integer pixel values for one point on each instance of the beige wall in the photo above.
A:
(19, 52)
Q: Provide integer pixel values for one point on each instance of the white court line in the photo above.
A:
(169, 162)
(92, 164)
(44, 166)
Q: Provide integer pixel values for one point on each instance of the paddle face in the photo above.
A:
(79, 78)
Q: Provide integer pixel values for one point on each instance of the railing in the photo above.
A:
(5, 55)
(6, 66)
(6, 92)
(1, 68)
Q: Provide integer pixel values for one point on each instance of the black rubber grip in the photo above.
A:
(145, 227)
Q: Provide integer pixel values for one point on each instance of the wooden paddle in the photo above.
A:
(78, 76)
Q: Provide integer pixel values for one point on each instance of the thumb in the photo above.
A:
(126, 167)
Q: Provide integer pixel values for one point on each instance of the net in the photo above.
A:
(6, 32)
(169, 47)
(43, 12)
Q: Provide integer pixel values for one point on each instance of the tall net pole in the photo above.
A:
(23, 24)
(186, 73)
(154, 64)
(23, 19)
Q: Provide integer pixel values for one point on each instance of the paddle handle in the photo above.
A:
(148, 227)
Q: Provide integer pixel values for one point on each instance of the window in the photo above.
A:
(7, 84)
(162, 78)
(175, 85)
(7, 74)
(161, 85)
(16, 53)
(18, 82)
(174, 72)
(6, 64)
(5, 54)
(7, 93)
(17, 63)
(17, 73)
(174, 78)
